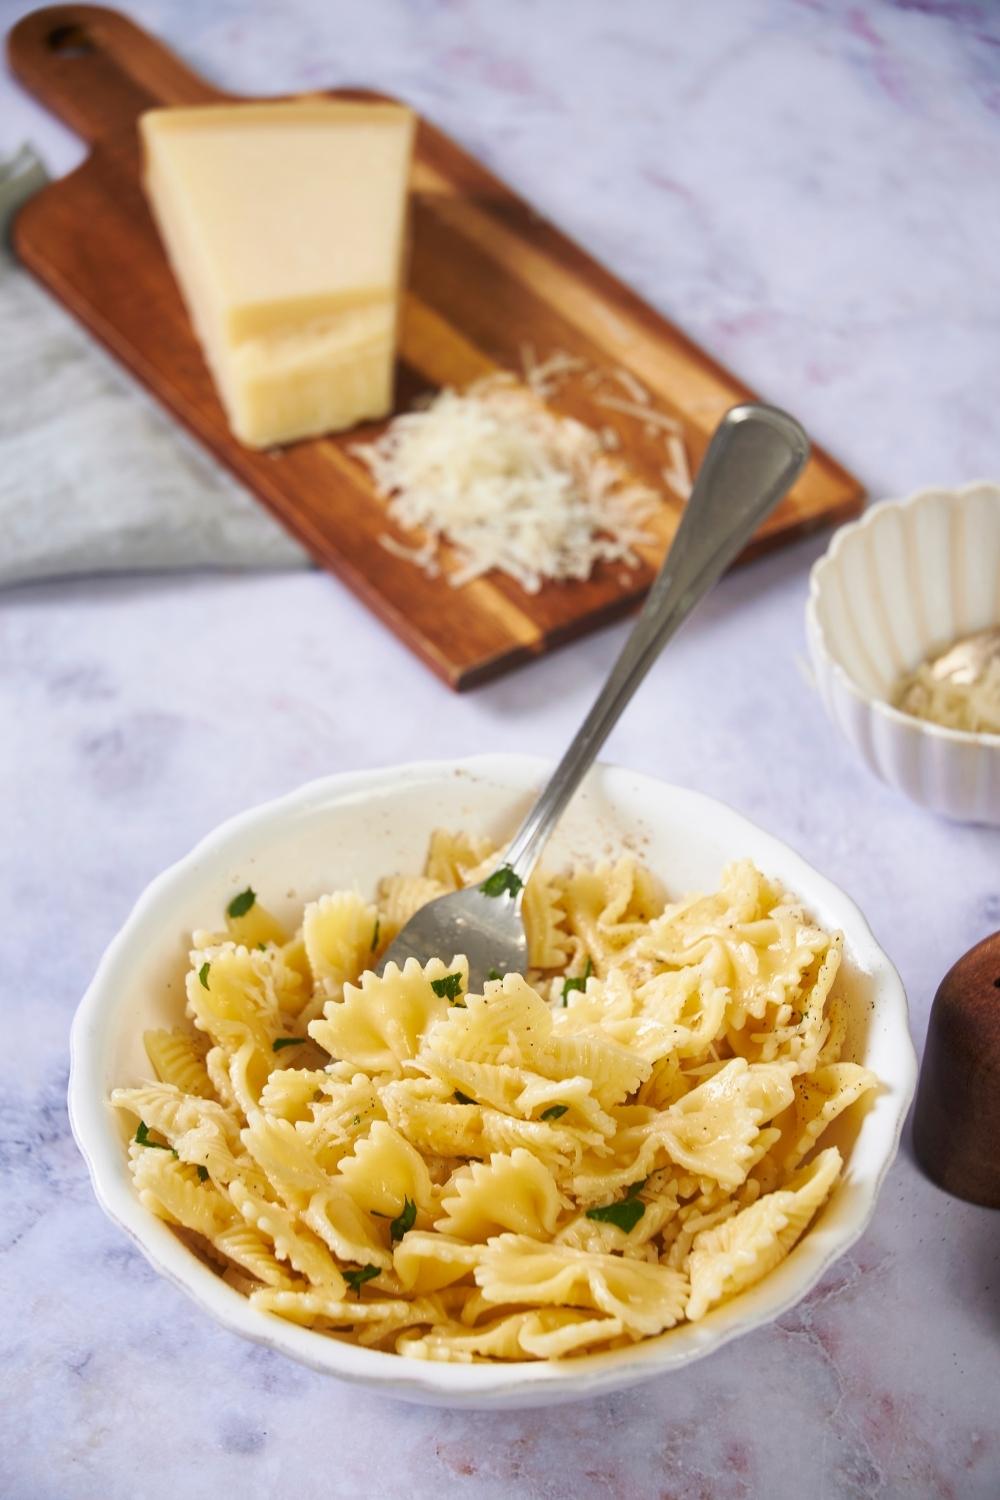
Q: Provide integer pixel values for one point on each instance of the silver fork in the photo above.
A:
(754, 457)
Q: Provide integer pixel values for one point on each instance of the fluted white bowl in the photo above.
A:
(353, 828)
(893, 589)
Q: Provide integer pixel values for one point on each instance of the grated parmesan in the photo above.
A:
(507, 484)
(630, 384)
(678, 476)
(646, 414)
(971, 706)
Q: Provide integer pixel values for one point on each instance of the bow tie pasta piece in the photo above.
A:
(207, 1147)
(604, 1003)
(740, 1251)
(748, 937)
(162, 1107)
(347, 1229)
(667, 1083)
(688, 1005)
(455, 859)
(497, 1084)
(173, 1191)
(249, 923)
(711, 1130)
(797, 1027)
(341, 1112)
(283, 1154)
(232, 994)
(252, 1251)
(544, 918)
(178, 1057)
(381, 1332)
(515, 1191)
(553, 1332)
(249, 1069)
(427, 1114)
(329, 1308)
(490, 1028)
(547, 1334)
(290, 1093)
(291, 1241)
(517, 1270)
(513, 1025)
(383, 1171)
(608, 908)
(217, 1061)
(516, 1091)
(379, 1025)
(768, 963)
(602, 1237)
(614, 1071)
(819, 1098)
(428, 1262)
(339, 936)
(558, 1145)
(684, 927)
(569, 1100)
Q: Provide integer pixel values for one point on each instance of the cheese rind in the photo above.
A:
(285, 225)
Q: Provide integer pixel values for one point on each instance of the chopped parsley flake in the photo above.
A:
(202, 1174)
(554, 1112)
(463, 1098)
(375, 933)
(494, 974)
(287, 1041)
(403, 1221)
(203, 975)
(449, 987)
(356, 1279)
(241, 904)
(502, 882)
(578, 982)
(625, 1214)
(142, 1139)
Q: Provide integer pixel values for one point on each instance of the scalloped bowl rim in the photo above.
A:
(516, 1383)
(954, 495)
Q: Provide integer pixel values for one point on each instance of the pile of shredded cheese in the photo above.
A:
(973, 706)
(507, 484)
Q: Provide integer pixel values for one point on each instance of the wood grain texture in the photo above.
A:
(487, 274)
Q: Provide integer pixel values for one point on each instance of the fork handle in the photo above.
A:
(755, 456)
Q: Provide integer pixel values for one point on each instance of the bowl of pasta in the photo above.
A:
(655, 1140)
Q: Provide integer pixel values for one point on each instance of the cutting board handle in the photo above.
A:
(96, 69)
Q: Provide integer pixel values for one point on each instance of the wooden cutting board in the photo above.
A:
(488, 275)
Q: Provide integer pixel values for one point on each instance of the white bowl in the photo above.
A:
(351, 829)
(893, 588)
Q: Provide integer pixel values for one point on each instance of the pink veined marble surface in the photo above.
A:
(810, 189)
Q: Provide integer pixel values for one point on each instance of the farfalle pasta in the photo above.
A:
(571, 1161)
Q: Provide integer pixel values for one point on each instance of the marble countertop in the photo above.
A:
(809, 189)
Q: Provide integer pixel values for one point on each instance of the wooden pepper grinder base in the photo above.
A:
(956, 1118)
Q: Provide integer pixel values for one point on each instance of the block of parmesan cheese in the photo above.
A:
(285, 225)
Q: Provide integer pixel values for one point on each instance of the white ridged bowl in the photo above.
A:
(893, 589)
(357, 826)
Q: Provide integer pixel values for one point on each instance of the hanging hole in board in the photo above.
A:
(70, 41)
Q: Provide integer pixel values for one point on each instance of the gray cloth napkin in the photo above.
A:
(94, 476)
